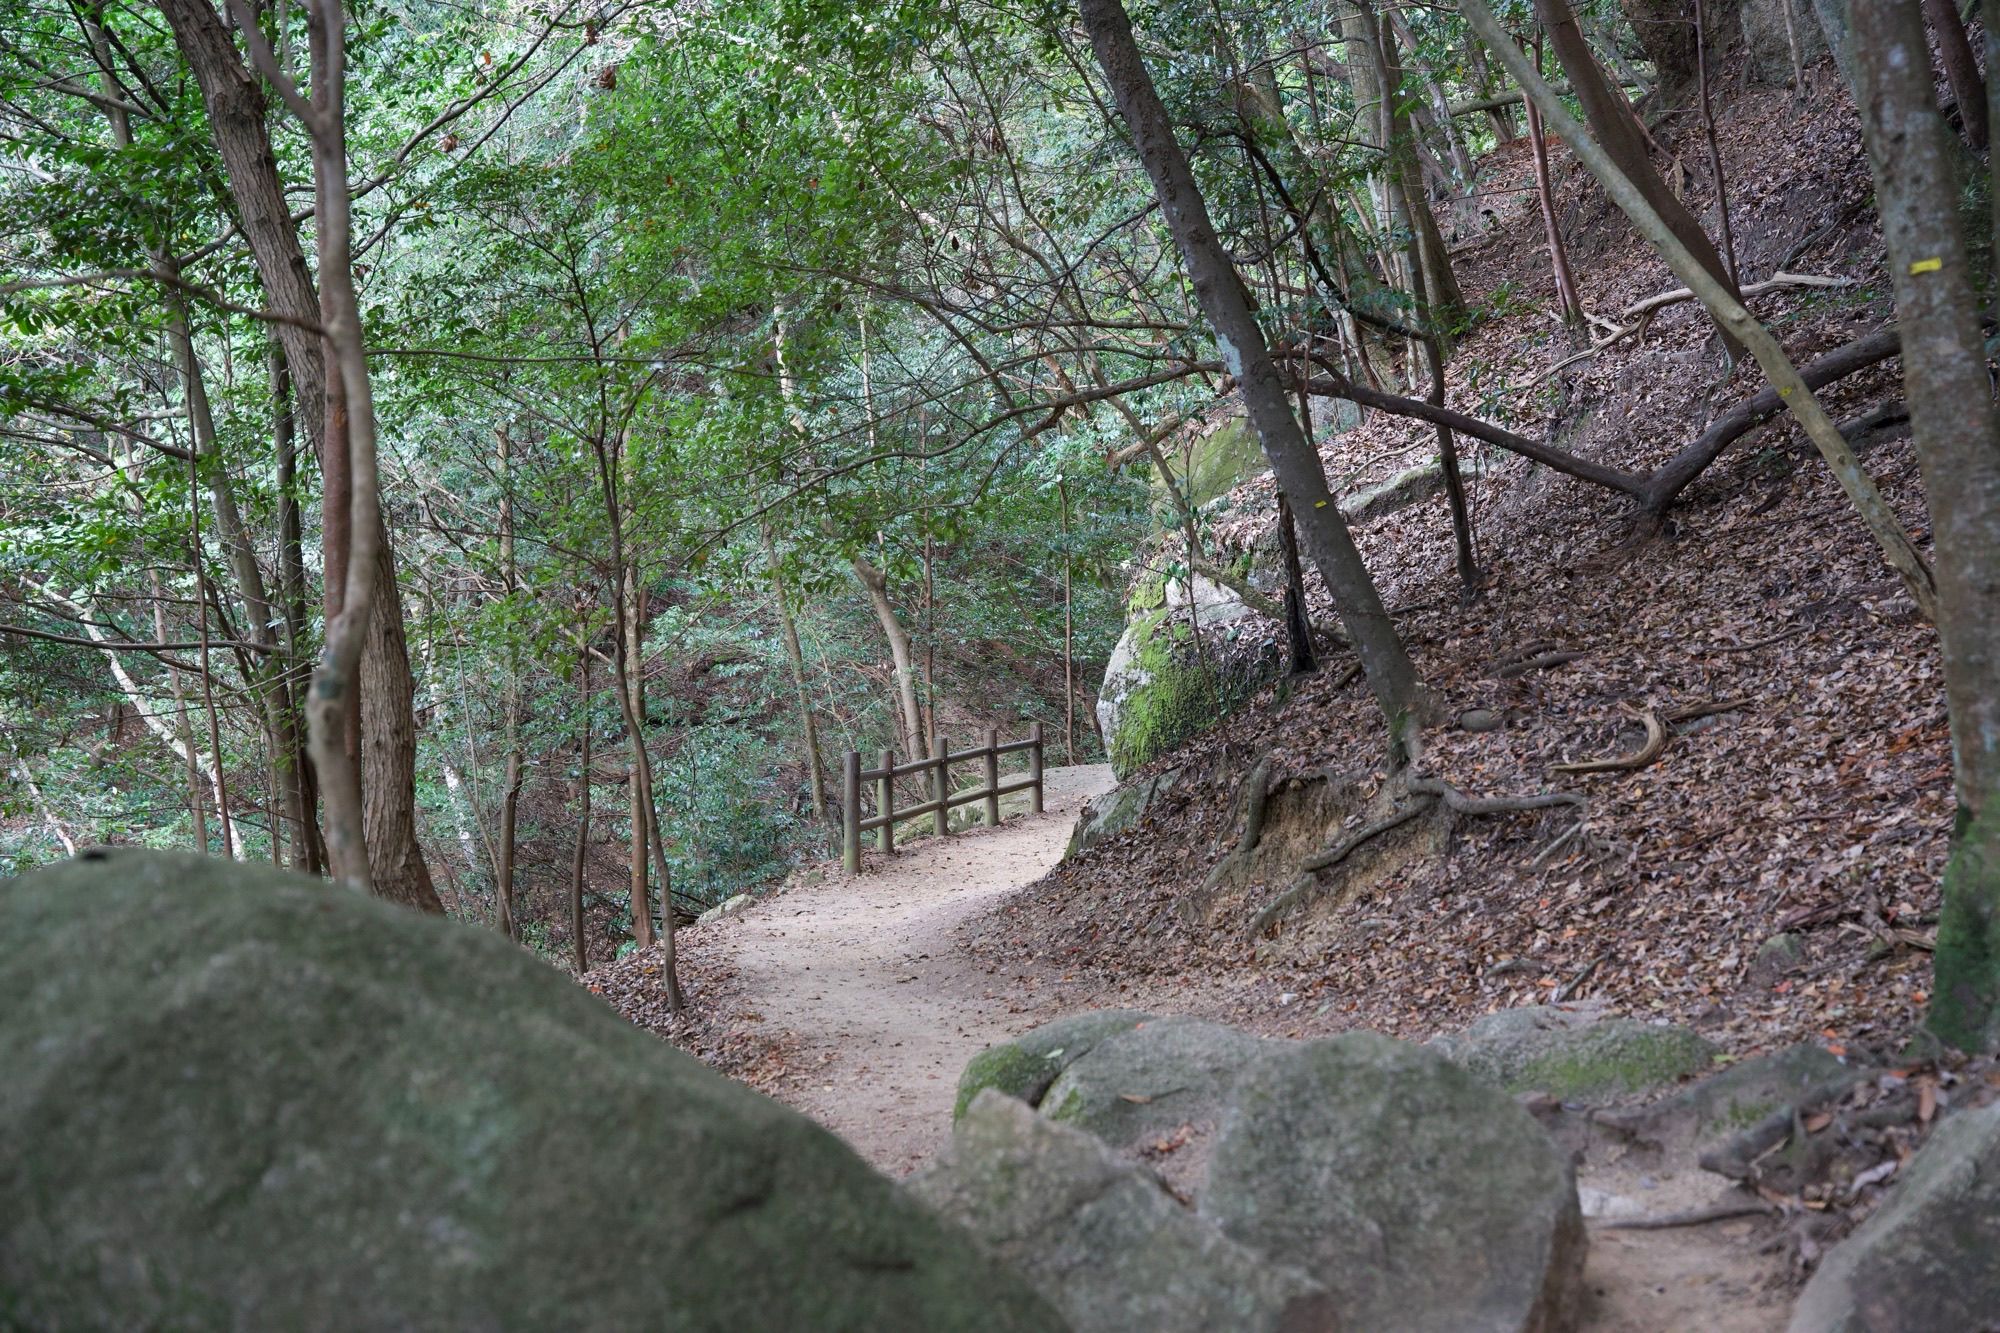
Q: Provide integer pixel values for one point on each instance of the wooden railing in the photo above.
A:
(943, 799)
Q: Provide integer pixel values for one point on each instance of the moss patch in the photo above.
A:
(1180, 699)
(1006, 1068)
(1614, 1058)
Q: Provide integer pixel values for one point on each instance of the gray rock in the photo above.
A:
(1928, 1259)
(732, 906)
(1575, 1054)
(1427, 1201)
(1119, 809)
(1025, 1067)
(1775, 957)
(1767, 46)
(1146, 1083)
(283, 1105)
(1100, 1238)
(1480, 719)
(1159, 692)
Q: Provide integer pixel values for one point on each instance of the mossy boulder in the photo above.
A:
(1025, 1067)
(239, 1098)
(1161, 689)
(1217, 464)
(1724, 1104)
(1576, 1055)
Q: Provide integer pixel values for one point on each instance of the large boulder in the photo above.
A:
(239, 1098)
(1100, 1237)
(1576, 1054)
(1426, 1200)
(1132, 1087)
(1767, 42)
(1927, 1260)
(1025, 1067)
(1216, 464)
(1160, 690)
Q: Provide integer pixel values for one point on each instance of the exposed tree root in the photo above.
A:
(1304, 888)
(1539, 662)
(1655, 745)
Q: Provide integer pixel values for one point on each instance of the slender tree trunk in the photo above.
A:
(1960, 69)
(1957, 437)
(876, 583)
(580, 857)
(1614, 127)
(1069, 635)
(1566, 297)
(1714, 151)
(638, 767)
(510, 794)
(1226, 302)
(795, 661)
(1404, 179)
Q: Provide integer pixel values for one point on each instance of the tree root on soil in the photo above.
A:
(1430, 792)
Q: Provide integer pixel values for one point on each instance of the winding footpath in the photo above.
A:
(865, 972)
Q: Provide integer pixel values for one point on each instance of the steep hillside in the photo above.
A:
(1773, 873)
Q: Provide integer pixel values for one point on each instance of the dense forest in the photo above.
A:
(1482, 504)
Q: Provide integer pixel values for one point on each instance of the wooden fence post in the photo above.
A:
(992, 778)
(1035, 768)
(850, 812)
(940, 787)
(885, 802)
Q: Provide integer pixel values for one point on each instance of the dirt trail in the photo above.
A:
(866, 974)
(865, 970)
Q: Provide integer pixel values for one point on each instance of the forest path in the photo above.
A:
(864, 972)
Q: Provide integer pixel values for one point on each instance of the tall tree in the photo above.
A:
(1392, 676)
(1957, 435)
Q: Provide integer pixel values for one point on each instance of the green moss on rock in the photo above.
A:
(1025, 1067)
(1179, 698)
(1576, 1055)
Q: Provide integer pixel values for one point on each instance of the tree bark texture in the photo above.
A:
(1957, 437)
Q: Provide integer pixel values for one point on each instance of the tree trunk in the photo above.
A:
(1226, 302)
(1957, 438)
(638, 767)
(1614, 128)
(1960, 69)
(877, 585)
(234, 99)
(579, 858)
(1404, 179)
(795, 661)
(1567, 301)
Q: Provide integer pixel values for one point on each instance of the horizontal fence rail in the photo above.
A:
(853, 823)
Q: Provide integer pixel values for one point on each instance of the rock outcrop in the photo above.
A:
(1025, 1067)
(239, 1098)
(1418, 1196)
(1100, 1238)
(1575, 1053)
(1928, 1259)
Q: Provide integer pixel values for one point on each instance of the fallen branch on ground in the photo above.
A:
(1540, 662)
